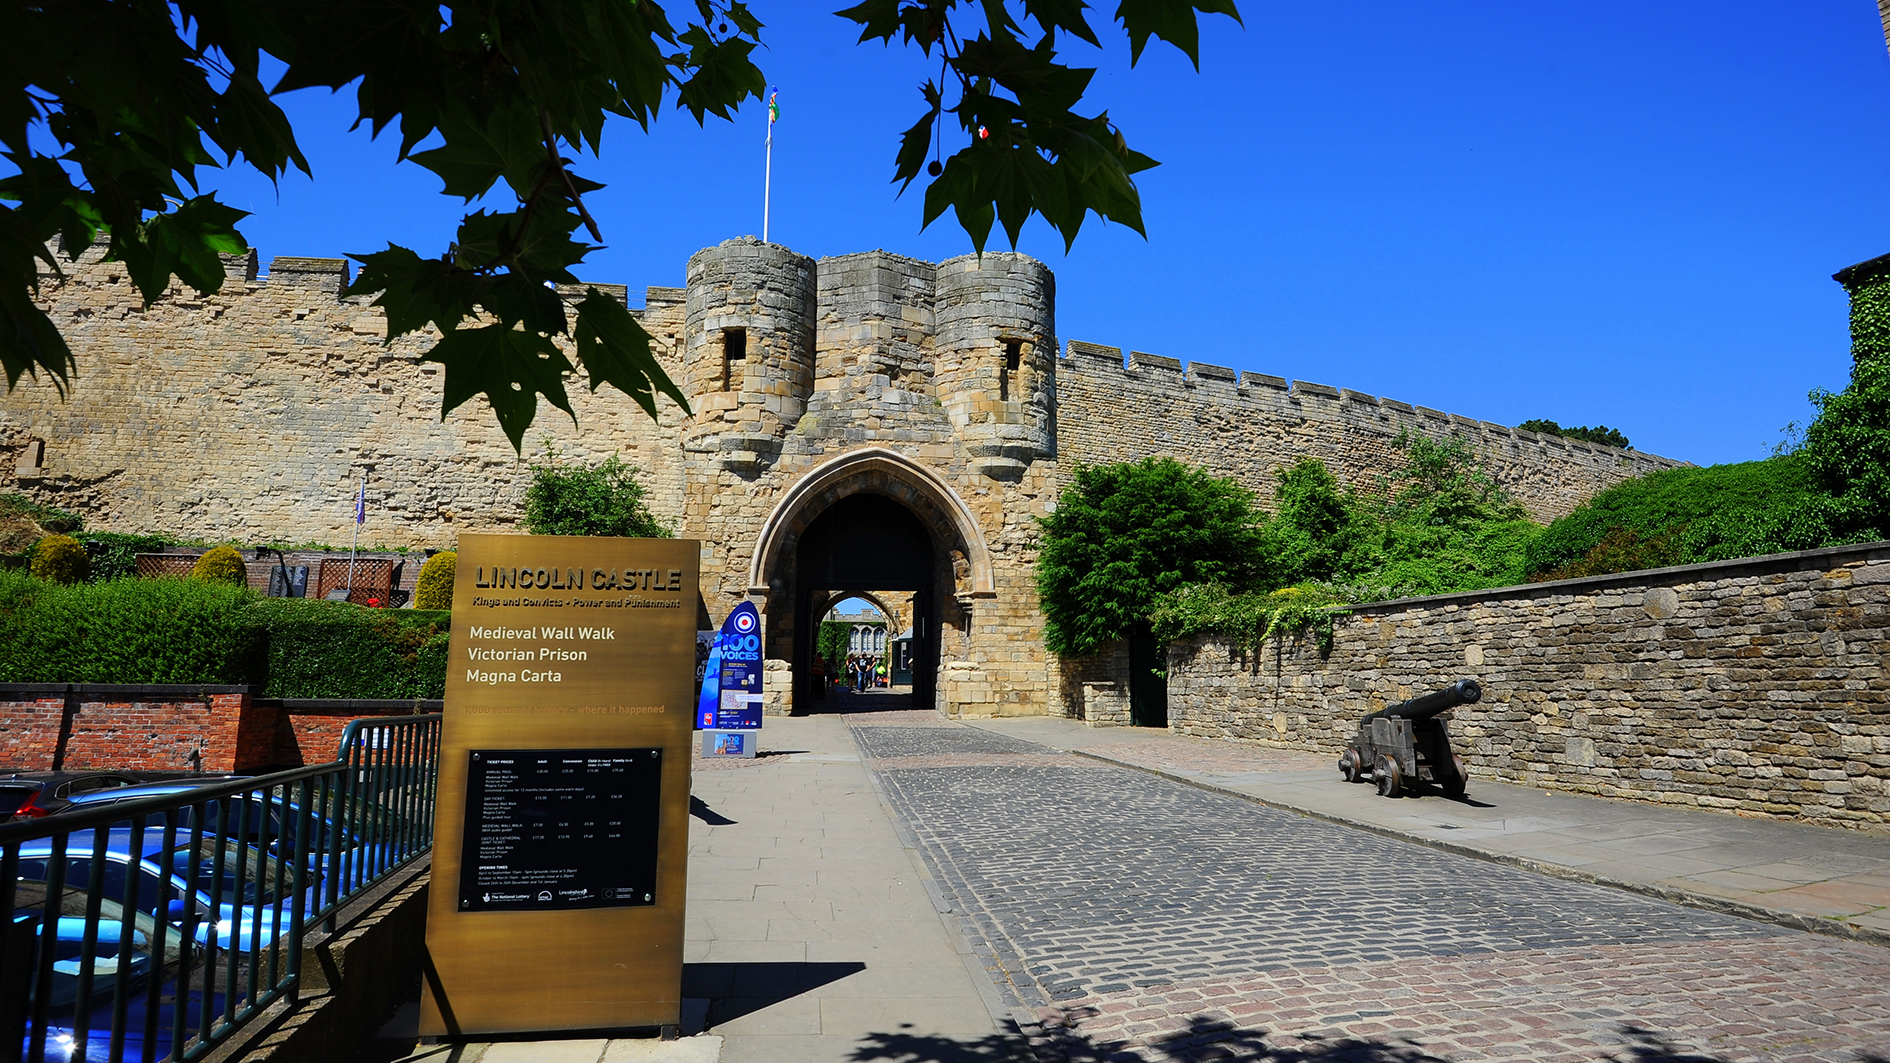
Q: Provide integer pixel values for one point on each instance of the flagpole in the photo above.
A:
(767, 181)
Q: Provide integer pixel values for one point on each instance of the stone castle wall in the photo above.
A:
(1246, 425)
(1753, 686)
(253, 413)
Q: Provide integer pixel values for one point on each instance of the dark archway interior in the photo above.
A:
(868, 542)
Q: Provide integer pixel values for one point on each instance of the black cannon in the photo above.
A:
(1403, 743)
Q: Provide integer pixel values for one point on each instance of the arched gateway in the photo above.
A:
(870, 520)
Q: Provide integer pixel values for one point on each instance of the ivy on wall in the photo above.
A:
(1868, 284)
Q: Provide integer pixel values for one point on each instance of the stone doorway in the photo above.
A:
(868, 546)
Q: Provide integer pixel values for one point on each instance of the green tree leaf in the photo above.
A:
(510, 367)
(614, 349)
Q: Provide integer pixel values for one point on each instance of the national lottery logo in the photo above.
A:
(744, 623)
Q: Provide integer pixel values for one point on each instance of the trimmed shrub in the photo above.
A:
(317, 649)
(434, 588)
(60, 559)
(221, 565)
(127, 631)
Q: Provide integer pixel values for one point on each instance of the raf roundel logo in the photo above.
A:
(744, 623)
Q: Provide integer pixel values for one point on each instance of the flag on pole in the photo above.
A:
(774, 105)
(360, 505)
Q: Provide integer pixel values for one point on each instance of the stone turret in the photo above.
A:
(994, 360)
(748, 350)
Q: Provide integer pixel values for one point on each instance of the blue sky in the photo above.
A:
(1619, 213)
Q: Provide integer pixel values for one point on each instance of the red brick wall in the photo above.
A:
(154, 728)
(29, 730)
(157, 728)
(309, 733)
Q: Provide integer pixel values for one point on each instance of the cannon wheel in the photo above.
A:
(1455, 787)
(1386, 772)
(1349, 766)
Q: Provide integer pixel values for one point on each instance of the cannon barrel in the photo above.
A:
(1425, 706)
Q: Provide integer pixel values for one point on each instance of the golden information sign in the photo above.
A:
(561, 837)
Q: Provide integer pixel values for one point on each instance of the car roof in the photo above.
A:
(48, 777)
(148, 789)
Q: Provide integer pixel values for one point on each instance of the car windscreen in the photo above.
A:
(239, 875)
(272, 826)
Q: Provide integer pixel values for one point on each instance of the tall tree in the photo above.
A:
(109, 108)
(1123, 535)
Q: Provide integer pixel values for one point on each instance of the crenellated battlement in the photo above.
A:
(1246, 424)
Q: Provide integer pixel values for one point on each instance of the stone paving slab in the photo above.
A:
(1828, 880)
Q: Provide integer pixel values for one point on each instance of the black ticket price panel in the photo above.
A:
(550, 829)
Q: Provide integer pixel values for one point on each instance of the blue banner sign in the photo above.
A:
(731, 681)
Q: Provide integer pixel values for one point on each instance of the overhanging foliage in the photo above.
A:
(110, 108)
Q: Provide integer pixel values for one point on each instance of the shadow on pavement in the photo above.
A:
(701, 810)
(1208, 1039)
(735, 989)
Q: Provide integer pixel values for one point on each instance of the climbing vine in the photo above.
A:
(1870, 313)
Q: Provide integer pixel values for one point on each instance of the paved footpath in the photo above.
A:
(811, 933)
(1141, 918)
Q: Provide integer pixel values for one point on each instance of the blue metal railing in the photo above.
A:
(152, 928)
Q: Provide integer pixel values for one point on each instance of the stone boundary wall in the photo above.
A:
(1245, 425)
(1751, 686)
(157, 727)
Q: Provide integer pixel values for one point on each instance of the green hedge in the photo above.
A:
(320, 649)
(127, 631)
(185, 631)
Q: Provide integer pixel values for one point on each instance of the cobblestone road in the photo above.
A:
(1141, 919)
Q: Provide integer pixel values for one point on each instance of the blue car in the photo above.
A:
(252, 890)
(121, 941)
(270, 825)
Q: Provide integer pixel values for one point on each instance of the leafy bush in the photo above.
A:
(221, 565)
(1438, 523)
(127, 631)
(1848, 449)
(1123, 535)
(1247, 620)
(1677, 516)
(1600, 435)
(60, 559)
(601, 499)
(434, 588)
(1447, 524)
(318, 649)
(115, 554)
(1318, 531)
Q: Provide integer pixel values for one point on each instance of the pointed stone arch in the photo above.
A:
(874, 470)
